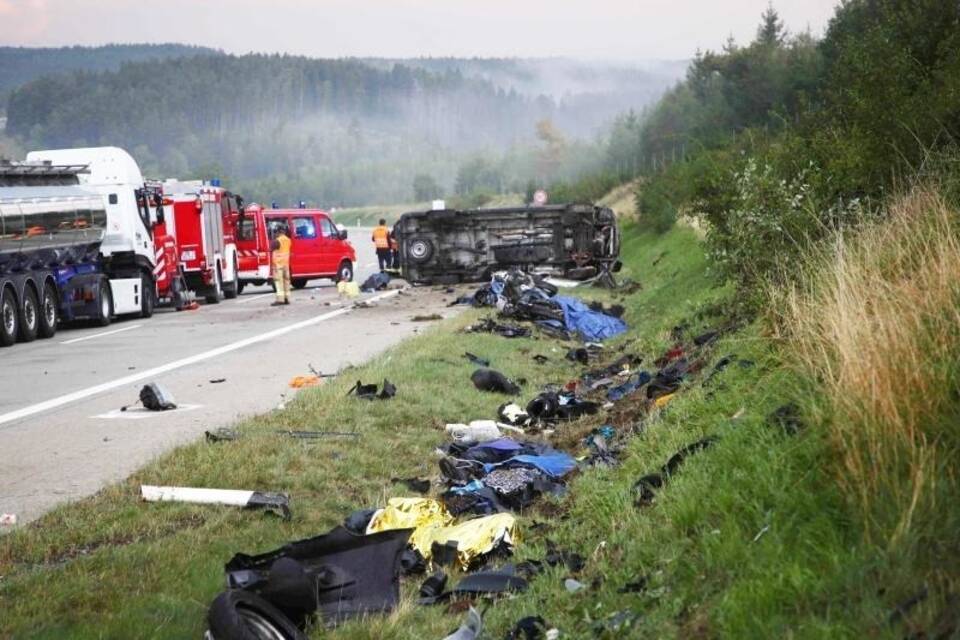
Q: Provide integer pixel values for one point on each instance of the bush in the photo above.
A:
(875, 324)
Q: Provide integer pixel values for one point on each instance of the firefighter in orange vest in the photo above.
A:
(281, 266)
(381, 240)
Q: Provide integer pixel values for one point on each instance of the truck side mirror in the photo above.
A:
(343, 234)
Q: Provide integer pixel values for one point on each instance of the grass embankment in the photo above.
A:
(753, 537)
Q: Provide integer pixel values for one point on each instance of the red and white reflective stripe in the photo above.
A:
(158, 254)
(161, 265)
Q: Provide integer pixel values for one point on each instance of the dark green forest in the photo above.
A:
(339, 132)
(19, 65)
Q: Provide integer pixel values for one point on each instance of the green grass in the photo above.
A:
(114, 567)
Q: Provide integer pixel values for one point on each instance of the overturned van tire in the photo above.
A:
(241, 615)
(419, 250)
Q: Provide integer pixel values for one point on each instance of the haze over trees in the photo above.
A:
(333, 132)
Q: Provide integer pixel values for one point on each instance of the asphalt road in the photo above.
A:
(62, 435)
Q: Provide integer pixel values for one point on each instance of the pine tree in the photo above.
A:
(771, 33)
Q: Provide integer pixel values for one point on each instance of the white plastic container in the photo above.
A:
(476, 431)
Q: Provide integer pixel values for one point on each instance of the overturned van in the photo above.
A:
(449, 246)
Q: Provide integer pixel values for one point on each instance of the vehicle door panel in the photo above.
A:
(305, 258)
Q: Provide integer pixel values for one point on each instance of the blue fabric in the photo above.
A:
(635, 382)
(476, 485)
(553, 463)
(591, 325)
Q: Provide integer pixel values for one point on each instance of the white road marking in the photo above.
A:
(250, 298)
(100, 335)
(53, 403)
(139, 413)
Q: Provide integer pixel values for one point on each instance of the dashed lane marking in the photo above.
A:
(68, 398)
(100, 335)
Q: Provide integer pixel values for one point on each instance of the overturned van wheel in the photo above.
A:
(241, 615)
(419, 249)
(9, 317)
(49, 311)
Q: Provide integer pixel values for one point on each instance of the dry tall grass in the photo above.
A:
(876, 323)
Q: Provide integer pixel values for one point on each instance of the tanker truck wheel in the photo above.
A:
(29, 315)
(104, 304)
(9, 318)
(49, 311)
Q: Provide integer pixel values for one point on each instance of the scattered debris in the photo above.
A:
(155, 397)
(277, 502)
(476, 431)
(299, 382)
(646, 485)
(8, 519)
(337, 575)
(370, 391)
(420, 485)
(787, 417)
(222, 434)
(491, 380)
(469, 630)
(313, 435)
(218, 380)
(349, 290)
(572, 585)
(529, 628)
(477, 360)
(427, 318)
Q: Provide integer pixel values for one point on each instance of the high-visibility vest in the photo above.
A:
(381, 237)
(281, 255)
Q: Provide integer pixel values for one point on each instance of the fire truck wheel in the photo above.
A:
(49, 311)
(232, 289)
(240, 285)
(29, 315)
(216, 289)
(104, 304)
(148, 296)
(345, 272)
(9, 318)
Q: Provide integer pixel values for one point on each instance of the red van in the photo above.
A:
(319, 250)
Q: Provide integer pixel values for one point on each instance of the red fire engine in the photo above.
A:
(319, 249)
(198, 239)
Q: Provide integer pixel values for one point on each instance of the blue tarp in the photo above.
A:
(591, 325)
(553, 463)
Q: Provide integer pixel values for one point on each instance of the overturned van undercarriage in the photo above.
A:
(449, 246)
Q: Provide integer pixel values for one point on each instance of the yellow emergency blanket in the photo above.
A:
(421, 514)
(478, 536)
(432, 523)
(663, 400)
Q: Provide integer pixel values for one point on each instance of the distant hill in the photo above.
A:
(19, 65)
(590, 92)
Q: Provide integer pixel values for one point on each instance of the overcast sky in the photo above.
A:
(610, 29)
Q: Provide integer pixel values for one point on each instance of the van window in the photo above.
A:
(274, 224)
(304, 228)
(329, 229)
